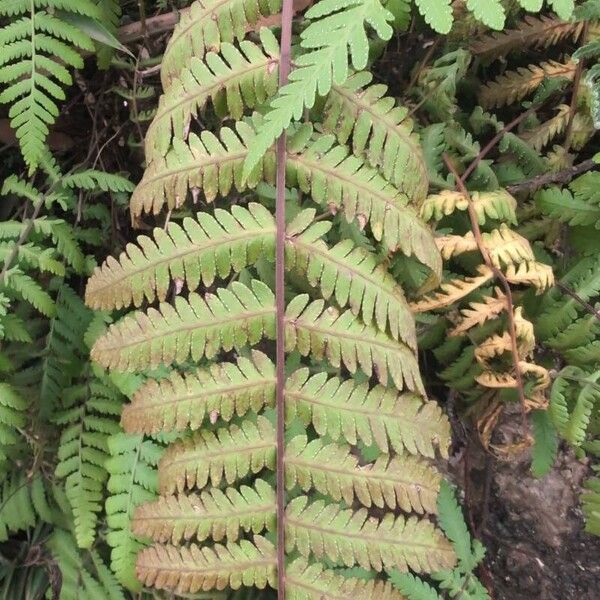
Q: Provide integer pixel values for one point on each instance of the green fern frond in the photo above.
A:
(206, 26)
(193, 328)
(13, 417)
(232, 79)
(192, 569)
(337, 28)
(229, 454)
(406, 482)
(132, 481)
(214, 513)
(35, 53)
(344, 339)
(83, 575)
(345, 410)
(437, 14)
(196, 251)
(380, 130)
(89, 418)
(29, 290)
(350, 538)
(24, 501)
(181, 401)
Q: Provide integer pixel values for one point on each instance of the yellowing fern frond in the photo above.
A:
(228, 454)
(184, 570)
(214, 513)
(453, 291)
(498, 205)
(205, 26)
(542, 135)
(479, 312)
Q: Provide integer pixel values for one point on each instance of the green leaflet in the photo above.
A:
(232, 79)
(193, 328)
(437, 14)
(351, 538)
(380, 130)
(345, 410)
(338, 29)
(198, 250)
(206, 25)
(181, 401)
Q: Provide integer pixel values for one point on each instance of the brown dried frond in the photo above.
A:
(535, 32)
(515, 85)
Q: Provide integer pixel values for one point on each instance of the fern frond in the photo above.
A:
(205, 27)
(380, 130)
(345, 410)
(132, 481)
(193, 328)
(214, 513)
(232, 79)
(228, 455)
(318, 167)
(479, 312)
(351, 538)
(515, 85)
(532, 273)
(533, 31)
(404, 481)
(498, 205)
(338, 29)
(343, 339)
(539, 137)
(192, 569)
(23, 500)
(568, 208)
(196, 251)
(35, 51)
(13, 417)
(182, 401)
(83, 450)
(453, 291)
(306, 581)
(351, 275)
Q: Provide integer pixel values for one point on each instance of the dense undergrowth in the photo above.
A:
(442, 270)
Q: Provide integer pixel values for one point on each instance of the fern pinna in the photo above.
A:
(360, 432)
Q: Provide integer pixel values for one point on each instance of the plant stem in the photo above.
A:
(284, 69)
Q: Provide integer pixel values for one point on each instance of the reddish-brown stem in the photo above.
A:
(492, 143)
(284, 69)
(499, 275)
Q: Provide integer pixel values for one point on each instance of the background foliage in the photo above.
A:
(101, 102)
